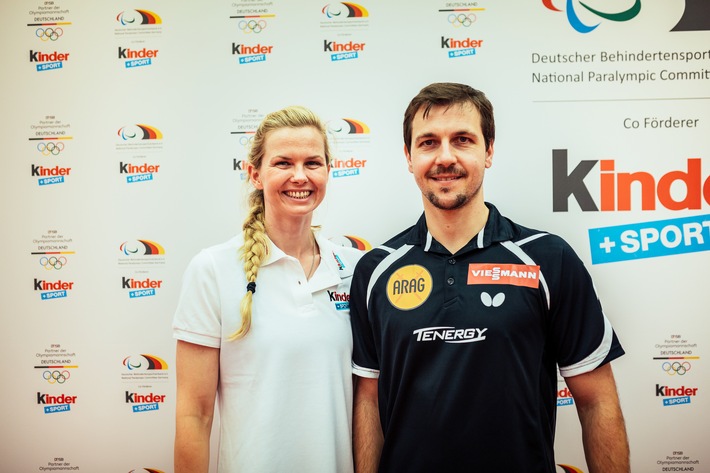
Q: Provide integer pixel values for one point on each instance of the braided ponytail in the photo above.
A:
(253, 253)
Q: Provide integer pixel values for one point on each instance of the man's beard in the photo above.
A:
(459, 201)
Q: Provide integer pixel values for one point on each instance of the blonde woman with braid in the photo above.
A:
(263, 322)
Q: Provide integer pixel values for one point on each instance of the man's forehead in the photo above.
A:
(423, 116)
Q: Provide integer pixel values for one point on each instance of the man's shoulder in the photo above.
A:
(374, 257)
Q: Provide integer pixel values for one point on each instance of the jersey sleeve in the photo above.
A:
(197, 317)
(582, 335)
(365, 361)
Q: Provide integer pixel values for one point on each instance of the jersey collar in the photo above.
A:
(497, 229)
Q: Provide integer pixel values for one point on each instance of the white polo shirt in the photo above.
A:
(285, 391)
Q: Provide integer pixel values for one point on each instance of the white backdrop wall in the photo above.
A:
(123, 129)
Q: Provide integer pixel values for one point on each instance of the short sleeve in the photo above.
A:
(198, 317)
(583, 336)
(365, 356)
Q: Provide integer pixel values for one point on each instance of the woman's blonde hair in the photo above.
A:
(256, 246)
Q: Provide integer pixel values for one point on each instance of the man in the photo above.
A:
(459, 322)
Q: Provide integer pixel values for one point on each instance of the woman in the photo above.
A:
(263, 320)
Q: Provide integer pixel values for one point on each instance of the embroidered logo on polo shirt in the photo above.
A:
(409, 287)
(341, 299)
(510, 274)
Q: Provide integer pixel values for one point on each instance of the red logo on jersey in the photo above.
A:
(511, 274)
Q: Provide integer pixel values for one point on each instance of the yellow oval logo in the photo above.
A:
(409, 287)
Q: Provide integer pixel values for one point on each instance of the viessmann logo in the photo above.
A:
(510, 274)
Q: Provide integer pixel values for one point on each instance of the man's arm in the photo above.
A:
(606, 446)
(367, 431)
(197, 378)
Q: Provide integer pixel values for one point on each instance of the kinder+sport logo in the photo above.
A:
(48, 61)
(52, 290)
(144, 402)
(140, 287)
(248, 54)
(460, 47)
(54, 403)
(675, 396)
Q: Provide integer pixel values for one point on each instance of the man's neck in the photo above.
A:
(455, 228)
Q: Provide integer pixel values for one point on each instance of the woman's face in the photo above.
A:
(293, 172)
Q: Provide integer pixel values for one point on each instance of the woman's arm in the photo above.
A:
(197, 379)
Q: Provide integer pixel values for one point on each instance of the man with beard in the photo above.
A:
(461, 322)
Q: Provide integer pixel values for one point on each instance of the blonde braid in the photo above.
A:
(253, 253)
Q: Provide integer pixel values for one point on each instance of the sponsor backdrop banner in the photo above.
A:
(124, 131)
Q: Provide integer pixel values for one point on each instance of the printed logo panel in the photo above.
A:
(509, 274)
(409, 287)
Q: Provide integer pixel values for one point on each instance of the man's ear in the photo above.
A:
(489, 155)
(409, 158)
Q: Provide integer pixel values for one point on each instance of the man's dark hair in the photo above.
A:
(448, 94)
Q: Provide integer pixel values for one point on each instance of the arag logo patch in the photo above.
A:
(409, 287)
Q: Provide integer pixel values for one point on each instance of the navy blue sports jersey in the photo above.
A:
(466, 346)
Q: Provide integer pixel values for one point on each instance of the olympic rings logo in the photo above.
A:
(246, 140)
(462, 19)
(46, 34)
(56, 376)
(53, 262)
(252, 26)
(676, 368)
(50, 148)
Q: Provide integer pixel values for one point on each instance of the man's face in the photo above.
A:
(448, 156)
